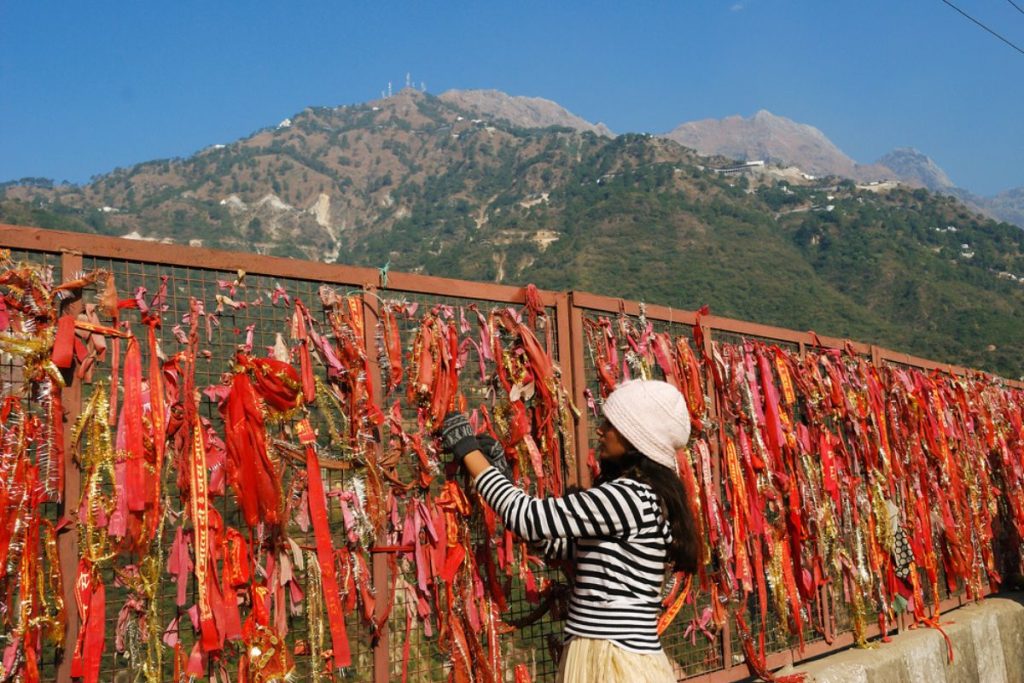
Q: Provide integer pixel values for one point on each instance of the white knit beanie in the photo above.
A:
(652, 416)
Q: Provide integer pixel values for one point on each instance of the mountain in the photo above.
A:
(1008, 206)
(776, 139)
(916, 168)
(328, 179)
(414, 182)
(524, 112)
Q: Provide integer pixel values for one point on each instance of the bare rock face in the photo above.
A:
(321, 209)
(914, 167)
(526, 112)
(772, 138)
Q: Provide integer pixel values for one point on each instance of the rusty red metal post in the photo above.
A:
(566, 353)
(381, 572)
(579, 386)
(67, 542)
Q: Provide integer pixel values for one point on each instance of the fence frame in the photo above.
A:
(569, 309)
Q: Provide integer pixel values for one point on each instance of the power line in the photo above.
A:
(983, 26)
(1019, 8)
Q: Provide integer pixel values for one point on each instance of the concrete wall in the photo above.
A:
(988, 647)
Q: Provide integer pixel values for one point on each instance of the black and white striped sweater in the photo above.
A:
(618, 540)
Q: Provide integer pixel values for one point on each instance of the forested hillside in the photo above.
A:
(416, 183)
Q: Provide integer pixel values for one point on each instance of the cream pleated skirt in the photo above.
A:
(586, 660)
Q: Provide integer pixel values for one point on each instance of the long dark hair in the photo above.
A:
(684, 550)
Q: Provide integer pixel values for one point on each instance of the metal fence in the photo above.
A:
(195, 273)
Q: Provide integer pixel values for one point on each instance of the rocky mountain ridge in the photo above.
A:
(762, 136)
(524, 112)
(917, 168)
(776, 139)
(765, 136)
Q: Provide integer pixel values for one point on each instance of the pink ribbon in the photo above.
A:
(278, 294)
(348, 501)
(588, 395)
(179, 564)
(700, 625)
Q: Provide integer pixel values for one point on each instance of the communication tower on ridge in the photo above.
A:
(408, 79)
(389, 88)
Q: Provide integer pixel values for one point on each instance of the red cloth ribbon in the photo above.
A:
(90, 595)
(325, 548)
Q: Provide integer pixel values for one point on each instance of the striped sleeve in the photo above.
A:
(557, 549)
(609, 510)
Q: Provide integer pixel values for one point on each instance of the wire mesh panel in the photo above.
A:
(254, 314)
(419, 649)
(777, 627)
(243, 311)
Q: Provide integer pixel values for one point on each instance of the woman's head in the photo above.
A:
(650, 416)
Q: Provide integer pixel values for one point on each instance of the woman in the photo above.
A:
(622, 535)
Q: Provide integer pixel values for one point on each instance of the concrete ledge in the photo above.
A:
(988, 647)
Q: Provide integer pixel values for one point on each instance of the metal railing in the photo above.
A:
(194, 272)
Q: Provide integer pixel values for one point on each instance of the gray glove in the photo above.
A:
(457, 436)
(494, 452)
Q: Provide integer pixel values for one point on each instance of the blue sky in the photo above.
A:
(89, 86)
